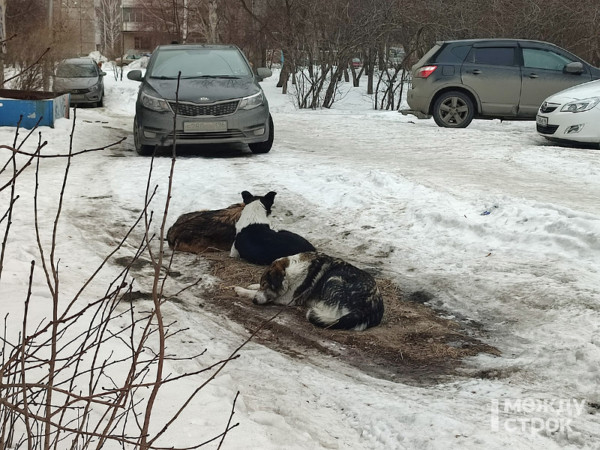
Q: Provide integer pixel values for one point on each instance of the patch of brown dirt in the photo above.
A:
(412, 343)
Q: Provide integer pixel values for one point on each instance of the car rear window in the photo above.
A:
(197, 63)
(76, 71)
(453, 54)
(496, 56)
(428, 57)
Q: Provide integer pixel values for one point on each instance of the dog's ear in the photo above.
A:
(268, 201)
(247, 197)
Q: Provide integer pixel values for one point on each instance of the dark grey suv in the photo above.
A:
(212, 93)
(457, 81)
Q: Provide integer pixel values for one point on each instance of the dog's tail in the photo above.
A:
(325, 316)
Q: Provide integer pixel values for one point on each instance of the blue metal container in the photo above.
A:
(32, 107)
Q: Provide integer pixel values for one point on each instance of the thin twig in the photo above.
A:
(227, 427)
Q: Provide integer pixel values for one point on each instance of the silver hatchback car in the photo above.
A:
(457, 81)
(201, 94)
(82, 79)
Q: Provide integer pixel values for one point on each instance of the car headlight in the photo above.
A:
(581, 105)
(154, 103)
(252, 102)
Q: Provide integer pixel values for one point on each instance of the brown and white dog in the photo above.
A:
(206, 230)
(338, 294)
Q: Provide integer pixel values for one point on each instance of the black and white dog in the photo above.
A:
(255, 241)
(338, 294)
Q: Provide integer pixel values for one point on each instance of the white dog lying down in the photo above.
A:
(338, 294)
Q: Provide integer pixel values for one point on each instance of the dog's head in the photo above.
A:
(273, 282)
(267, 200)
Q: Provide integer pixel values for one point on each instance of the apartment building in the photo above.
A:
(79, 17)
(118, 27)
(137, 30)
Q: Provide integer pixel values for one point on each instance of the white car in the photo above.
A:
(572, 115)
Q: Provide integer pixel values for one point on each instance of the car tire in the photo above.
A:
(100, 102)
(453, 109)
(143, 150)
(264, 147)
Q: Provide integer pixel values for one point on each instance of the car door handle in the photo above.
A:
(533, 75)
(476, 72)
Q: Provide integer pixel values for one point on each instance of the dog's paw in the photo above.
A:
(256, 286)
(243, 292)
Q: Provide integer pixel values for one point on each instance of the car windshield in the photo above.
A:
(199, 63)
(76, 71)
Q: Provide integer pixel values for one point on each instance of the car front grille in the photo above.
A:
(80, 91)
(214, 109)
(549, 129)
(230, 134)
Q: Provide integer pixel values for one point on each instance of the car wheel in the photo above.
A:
(453, 109)
(264, 147)
(144, 150)
(100, 102)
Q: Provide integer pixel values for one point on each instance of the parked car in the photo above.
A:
(356, 63)
(82, 78)
(457, 81)
(396, 56)
(219, 99)
(572, 115)
(131, 56)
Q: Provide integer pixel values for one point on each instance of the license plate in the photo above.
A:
(541, 121)
(206, 127)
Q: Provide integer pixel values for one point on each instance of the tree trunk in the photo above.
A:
(184, 25)
(370, 69)
(284, 75)
(213, 20)
(2, 38)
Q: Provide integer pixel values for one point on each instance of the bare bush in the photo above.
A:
(32, 40)
(64, 384)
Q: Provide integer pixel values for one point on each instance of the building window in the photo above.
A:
(133, 15)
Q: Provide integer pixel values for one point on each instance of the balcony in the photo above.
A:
(133, 26)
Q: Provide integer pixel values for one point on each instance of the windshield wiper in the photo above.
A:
(231, 77)
(191, 77)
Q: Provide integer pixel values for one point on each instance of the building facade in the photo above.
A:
(79, 18)
(136, 29)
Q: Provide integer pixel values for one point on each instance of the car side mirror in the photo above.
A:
(574, 67)
(135, 75)
(102, 74)
(263, 72)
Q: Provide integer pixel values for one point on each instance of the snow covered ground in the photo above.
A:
(500, 226)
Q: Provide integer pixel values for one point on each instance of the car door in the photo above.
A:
(545, 73)
(492, 71)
